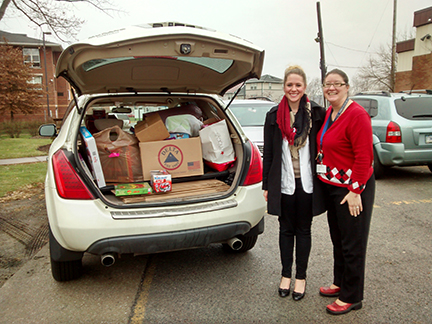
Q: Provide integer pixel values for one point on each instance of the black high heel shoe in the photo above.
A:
(297, 296)
(284, 292)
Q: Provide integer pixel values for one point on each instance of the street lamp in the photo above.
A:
(46, 72)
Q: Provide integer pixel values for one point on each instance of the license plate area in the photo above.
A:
(428, 139)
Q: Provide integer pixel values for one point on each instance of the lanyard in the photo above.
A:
(328, 120)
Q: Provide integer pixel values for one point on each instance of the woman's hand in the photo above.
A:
(265, 193)
(354, 203)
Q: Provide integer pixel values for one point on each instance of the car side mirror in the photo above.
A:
(48, 130)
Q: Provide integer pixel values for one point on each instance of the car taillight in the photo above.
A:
(254, 174)
(69, 184)
(393, 134)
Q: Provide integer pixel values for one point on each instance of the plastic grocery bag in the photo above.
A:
(119, 155)
(187, 124)
(218, 151)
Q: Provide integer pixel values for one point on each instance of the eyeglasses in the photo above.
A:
(336, 85)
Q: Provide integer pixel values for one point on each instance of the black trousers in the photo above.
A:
(349, 236)
(295, 227)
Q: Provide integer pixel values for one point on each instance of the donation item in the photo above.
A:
(131, 189)
(180, 157)
(217, 149)
(161, 181)
(119, 155)
(93, 156)
(152, 128)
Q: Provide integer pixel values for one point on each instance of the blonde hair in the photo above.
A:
(295, 69)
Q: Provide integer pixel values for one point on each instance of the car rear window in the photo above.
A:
(414, 108)
(215, 64)
(250, 115)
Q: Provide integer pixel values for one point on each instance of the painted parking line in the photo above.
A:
(139, 306)
(405, 202)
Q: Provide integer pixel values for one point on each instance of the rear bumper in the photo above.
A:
(164, 242)
(394, 154)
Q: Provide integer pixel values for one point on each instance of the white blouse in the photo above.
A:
(288, 179)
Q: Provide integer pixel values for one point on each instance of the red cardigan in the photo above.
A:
(347, 148)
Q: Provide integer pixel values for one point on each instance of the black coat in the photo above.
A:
(272, 160)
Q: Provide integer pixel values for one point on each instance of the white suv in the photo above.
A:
(169, 68)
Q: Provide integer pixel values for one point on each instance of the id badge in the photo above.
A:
(321, 168)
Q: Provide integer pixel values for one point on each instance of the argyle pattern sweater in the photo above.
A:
(347, 149)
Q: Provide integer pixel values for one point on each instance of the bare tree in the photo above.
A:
(17, 92)
(314, 91)
(376, 74)
(55, 14)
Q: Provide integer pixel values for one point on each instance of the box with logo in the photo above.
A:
(160, 181)
(93, 156)
(181, 157)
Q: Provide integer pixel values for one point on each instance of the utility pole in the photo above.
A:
(393, 54)
(320, 39)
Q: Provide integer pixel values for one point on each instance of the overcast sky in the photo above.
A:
(286, 29)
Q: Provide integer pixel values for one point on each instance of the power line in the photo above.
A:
(347, 48)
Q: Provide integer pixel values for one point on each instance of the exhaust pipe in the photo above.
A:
(235, 243)
(107, 259)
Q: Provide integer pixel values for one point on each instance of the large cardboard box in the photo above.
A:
(93, 156)
(151, 129)
(181, 157)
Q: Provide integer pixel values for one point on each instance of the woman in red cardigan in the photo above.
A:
(344, 164)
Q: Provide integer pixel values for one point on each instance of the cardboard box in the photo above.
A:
(131, 189)
(93, 156)
(181, 157)
(151, 129)
(161, 181)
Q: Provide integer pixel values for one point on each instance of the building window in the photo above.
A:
(269, 86)
(60, 94)
(36, 80)
(31, 55)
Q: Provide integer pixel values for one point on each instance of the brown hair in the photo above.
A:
(295, 69)
(341, 73)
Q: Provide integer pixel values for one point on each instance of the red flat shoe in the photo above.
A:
(335, 309)
(329, 292)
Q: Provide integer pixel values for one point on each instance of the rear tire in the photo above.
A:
(66, 270)
(379, 169)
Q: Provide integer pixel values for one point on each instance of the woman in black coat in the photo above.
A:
(290, 185)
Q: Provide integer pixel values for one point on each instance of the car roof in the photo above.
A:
(160, 58)
(395, 95)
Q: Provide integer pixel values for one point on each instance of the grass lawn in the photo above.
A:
(24, 146)
(16, 177)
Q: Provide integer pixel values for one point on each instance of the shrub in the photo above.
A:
(13, 128)
(32, 126)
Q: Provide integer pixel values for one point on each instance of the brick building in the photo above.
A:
(58, 89)
(414, 69)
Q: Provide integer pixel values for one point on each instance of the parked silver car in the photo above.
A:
(402, 128)
(251, 114)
